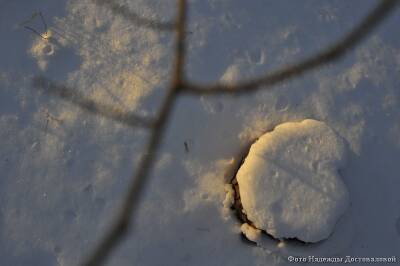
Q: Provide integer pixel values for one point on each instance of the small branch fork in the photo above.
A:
(24, 24)
(123, 221)
(89, 105)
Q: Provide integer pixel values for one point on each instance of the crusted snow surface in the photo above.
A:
(289, 183)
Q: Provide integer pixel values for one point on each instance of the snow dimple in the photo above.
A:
(289, 184)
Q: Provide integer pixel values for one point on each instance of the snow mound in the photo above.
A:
(289, 185)
(251, 233)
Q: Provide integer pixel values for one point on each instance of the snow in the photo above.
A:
(250, 232)
(289, 183)
(63, 171)
(230, 196)
(41, 50)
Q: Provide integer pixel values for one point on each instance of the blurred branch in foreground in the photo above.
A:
(135, 18)
(77, 98)
(123, 222)
(328, 55)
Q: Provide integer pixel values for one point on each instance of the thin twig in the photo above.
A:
(135, 18)
(34, 15)
(90, 105)
(328, 55)
(122, 223)
(44, 37)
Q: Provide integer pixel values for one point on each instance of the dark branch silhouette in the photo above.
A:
(330, 54)
(77, 98)
(135, 18)
(123, 221)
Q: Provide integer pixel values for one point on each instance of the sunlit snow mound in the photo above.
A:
(289, 183)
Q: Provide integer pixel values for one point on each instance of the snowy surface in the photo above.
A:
(251, 233)
(289, 183)
(63, 171)
(229, 197)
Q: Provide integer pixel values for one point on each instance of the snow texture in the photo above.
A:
(251, 233)
(63, 171)
(289, 183)
(230, 196)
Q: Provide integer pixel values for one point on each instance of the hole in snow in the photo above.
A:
(291, 195)
(48, 50)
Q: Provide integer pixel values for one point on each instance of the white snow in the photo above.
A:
(251, 233)
(41, 50)
(230, 196)
(83, 163)
(289, 184)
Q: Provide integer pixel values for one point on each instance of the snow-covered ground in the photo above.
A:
(63, 172)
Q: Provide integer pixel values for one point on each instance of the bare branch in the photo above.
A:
(34, 15)
(330, 54)
(122, 223)
(135, 18)
(44, 37)
(89, 105)
(180, 46)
